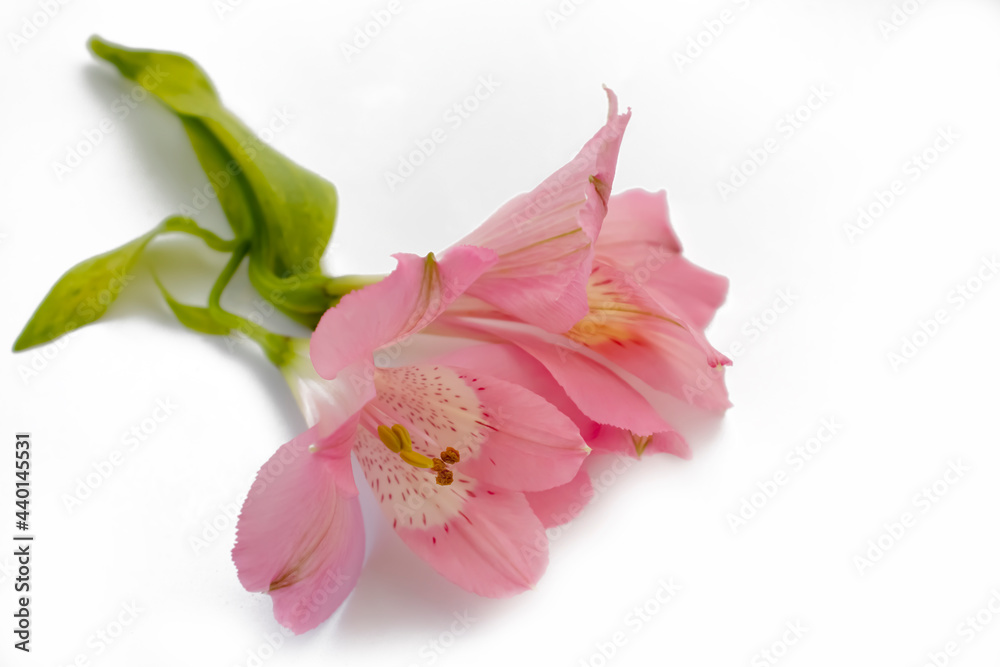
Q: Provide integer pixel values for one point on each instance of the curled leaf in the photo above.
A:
(286, 210)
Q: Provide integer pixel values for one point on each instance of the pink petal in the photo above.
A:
(564, 503)
(300, 536)
(598, 392)
(638, 239)
(511, 363)
(531, 445)
(328, 402)
(619, 441)
(401, 304)
(483, 538)
(545, 238)
(506, 435)
(635, 332)
(495, 546)
(637, 218)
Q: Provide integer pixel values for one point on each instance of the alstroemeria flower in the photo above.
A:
(544, 239)
(644, 306)
(449, 453)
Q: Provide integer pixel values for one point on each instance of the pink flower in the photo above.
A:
(626, 303)
(544, 239)
(451, 455)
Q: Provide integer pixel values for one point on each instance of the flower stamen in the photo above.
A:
(416, 459)
(398, 441)
(390, 438)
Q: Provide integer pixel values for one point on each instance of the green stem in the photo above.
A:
(275, 346)
(180, 223)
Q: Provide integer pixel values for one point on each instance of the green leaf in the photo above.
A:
(83, 294)
(286, 210)
(194, 317)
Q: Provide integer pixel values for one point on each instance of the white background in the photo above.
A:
(854, 299)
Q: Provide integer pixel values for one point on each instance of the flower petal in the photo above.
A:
(531, 445)
(300, 536)
(637, 238)
(562, 504)
(506, 435)
(545, 238)
(509, 362)
(485, 539)
(597, 391)
(403, 303)
(632, 330)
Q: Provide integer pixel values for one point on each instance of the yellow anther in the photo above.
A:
(388, 438)
(416, 459)
(403, 436)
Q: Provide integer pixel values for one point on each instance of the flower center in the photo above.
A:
(397, 440)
